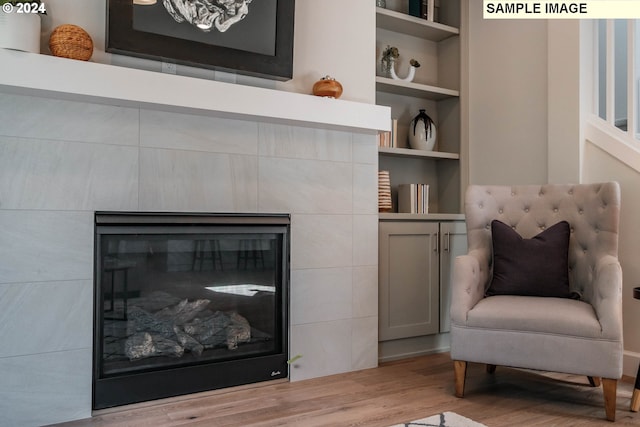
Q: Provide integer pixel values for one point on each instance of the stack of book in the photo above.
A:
(413, 198)
(389, 139)
(384, 192)
(423, 8)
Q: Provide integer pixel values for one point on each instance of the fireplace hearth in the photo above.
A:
(187, 303)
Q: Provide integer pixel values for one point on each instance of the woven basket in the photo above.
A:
(71, 41)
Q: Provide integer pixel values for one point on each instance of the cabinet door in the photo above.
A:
(409, 286)
(453, 242)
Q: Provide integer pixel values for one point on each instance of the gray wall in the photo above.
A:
(507, 100)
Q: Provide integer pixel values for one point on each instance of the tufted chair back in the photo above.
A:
(592, 211)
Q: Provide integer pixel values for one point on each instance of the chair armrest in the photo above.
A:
(606, 297)
(470, 274)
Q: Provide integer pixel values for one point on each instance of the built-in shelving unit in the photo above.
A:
(417, 251)
(436, 89)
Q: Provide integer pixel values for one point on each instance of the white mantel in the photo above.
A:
(53, 77)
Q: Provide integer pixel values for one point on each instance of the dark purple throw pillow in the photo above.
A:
(532, 267)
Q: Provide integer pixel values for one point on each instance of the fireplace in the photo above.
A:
(187, 303)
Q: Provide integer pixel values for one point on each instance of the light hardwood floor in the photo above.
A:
(393, 393)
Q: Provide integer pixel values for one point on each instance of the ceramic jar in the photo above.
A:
(327, 87)
(422, 132)
(20, 31)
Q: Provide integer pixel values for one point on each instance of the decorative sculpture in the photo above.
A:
(207, 14)
(410, 75)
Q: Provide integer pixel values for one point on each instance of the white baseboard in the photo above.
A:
(408, 355)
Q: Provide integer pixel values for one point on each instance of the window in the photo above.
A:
(618, 73)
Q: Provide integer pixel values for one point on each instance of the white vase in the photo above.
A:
(410, 74)
(422, 132)
(20, 31)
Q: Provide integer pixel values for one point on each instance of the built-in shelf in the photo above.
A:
(421, 217)
(409, 152)
(417, 27)
(52, 77)
(418, 90)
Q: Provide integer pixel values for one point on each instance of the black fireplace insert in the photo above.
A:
(186, 303)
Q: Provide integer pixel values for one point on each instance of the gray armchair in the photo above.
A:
(577, 336)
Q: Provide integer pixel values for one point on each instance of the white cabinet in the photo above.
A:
(408, 280)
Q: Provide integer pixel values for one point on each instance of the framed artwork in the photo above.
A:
(251, 37)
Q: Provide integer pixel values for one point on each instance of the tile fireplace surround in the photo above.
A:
(61, 160)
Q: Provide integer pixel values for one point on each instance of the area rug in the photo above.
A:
(445, 419)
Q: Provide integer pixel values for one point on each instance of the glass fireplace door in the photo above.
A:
(171, 297)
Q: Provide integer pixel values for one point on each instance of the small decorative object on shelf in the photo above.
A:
(389, 56)
(413, 64)
(381, 3)
(388, 64)
(422, 132)
(384, 192)
(20, 24)
(327, 87)
(71, 41)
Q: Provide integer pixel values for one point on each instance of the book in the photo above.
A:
(384, 139)
(394, 133)
(389, 138)
(415, 7)
(413, 198)
(407, 198)
(427, 9)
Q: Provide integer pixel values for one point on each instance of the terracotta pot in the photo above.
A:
(327, 86)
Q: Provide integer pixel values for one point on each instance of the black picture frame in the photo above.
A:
(122, 38)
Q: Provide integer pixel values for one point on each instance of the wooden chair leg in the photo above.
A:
(635, 400)
(460, 370)
(491, 369)
(609, 388)
(594, 381)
